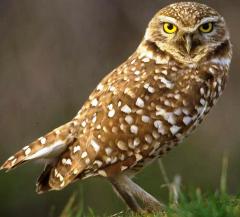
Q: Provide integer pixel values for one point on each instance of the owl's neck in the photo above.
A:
(222, 53)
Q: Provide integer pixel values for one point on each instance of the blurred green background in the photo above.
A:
(52, 54)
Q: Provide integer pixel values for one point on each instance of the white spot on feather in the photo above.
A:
(146, 60)
(140, 102)
(84, 124)
(67, 161)
(148, 139)
(126, 109)
(108, 151)
(151, 89)
(75, 171)
(102, 173)
(13, 162)
(167, 83)
(100, 87)
(95, 146)
(175, 129)
(136, 142)
(11, 158)
(129, 119)
(84, 154)
(111, 113)
(110, 106)
(159, 125)
(170, 118)
(43, 140)
(98, 163)
(138, 157)
(28, 151)
(123, 168)
(122, 145)
(145, 119)
(25, 148)
(94, 102)
(76, 149)
(134, 129)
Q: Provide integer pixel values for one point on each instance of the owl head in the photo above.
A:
(188, 31)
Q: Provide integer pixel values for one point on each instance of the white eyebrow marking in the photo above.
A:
(208, 19)
(203, 21)
(168, 19)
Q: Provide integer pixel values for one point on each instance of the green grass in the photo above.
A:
(182, 203)
(198, 205)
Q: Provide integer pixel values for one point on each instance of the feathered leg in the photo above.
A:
(125, 195)
(131, 192)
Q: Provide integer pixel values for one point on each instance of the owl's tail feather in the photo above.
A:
(63, 170)
(46, 147)
(43, 181)
(69, 166)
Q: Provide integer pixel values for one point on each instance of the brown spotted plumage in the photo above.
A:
(143, 108)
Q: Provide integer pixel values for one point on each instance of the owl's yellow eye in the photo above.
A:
(206, 27)
(169, 28)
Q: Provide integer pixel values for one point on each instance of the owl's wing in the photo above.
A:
(118, 128)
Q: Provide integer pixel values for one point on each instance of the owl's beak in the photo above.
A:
(188, 42)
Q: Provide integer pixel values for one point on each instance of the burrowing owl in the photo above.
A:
(143, 108)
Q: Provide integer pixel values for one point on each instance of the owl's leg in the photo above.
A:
(150, 203)
(125, 186)
(123, 192)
